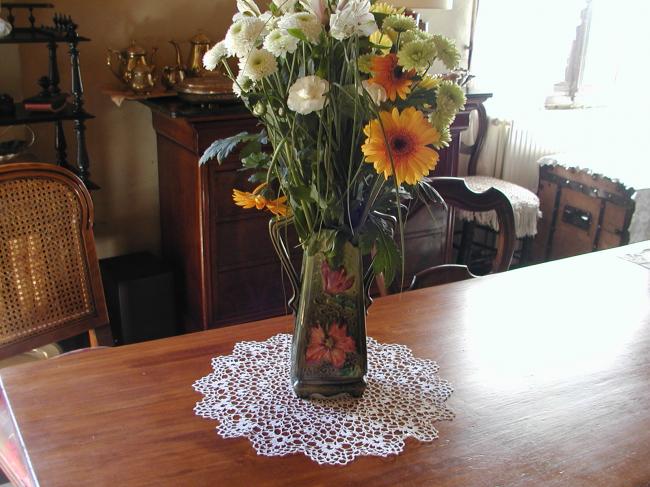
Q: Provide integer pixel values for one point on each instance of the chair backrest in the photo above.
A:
(456, 193)
(50, 284)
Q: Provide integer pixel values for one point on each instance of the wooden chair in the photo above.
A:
(50, 285)
(457, 194)
(524, 202)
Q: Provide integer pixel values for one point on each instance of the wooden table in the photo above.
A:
(550, 364)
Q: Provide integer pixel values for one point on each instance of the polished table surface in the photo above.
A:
(550, 366)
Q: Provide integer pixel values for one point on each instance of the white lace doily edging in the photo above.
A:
(249, 393)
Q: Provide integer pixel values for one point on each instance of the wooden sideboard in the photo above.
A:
(225, 266)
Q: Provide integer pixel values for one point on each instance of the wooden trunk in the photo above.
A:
(581, 212)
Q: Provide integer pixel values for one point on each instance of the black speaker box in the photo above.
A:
(139, 290)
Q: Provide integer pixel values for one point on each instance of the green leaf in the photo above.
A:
(299, 193)
(256, 160)
(257, 177)
(298, 34)
(223, 147)
(251, 147)
(315, 195)
(387, 257)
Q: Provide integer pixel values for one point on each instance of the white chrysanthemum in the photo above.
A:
(259, 64)
(376, 92)
(304, 21)
(241, 85)
(269, 21)
(279, 42)
(352, 17)
(244, 35)
(214, 56)
(308, 94)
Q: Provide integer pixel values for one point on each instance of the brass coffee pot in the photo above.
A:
(199, 45)
(123, 63)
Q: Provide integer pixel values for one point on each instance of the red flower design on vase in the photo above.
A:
(335, 282)
(329, 347)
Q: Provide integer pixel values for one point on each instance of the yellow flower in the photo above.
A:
(381, 40)
(278, 206)
(248, 200)
(405, 137)
(385, 8)
(428, 82)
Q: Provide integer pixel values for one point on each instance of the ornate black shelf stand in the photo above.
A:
(63, 31)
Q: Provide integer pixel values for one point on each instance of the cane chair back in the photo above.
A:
(50, 285)
(456, 193)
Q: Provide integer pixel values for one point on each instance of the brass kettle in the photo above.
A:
(199, 45)
(123, 63)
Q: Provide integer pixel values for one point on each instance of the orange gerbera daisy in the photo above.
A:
(387, 73)
(247, 200)
(405, 136)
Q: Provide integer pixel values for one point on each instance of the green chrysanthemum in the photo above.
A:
(399, 23)
(440, 119)
(417, 55)
(364, 63)
(449, 97)
(415, 35)
(447, 51)
(445, 137)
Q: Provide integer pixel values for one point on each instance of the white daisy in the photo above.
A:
(241, 85)
(308, 94)
(214, 56)
(279, 42)
(304, 21)
(259, 64)
(244, 35)
(352, 17)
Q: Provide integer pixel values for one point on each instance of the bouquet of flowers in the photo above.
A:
(351, 115)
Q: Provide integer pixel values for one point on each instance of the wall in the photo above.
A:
(121, 142)
(454, 23)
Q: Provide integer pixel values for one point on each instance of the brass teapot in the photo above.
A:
(199, 45)
(143, 79)
(123, 64)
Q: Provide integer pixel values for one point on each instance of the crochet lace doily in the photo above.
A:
(250, 394)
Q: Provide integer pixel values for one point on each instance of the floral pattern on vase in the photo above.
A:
(329, 346)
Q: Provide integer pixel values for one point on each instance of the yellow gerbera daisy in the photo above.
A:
(405, 137)
(248, 200)
(382, 40)
(385, 8)
(428, 82)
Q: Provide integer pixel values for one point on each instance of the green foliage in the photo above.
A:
(222, 148)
